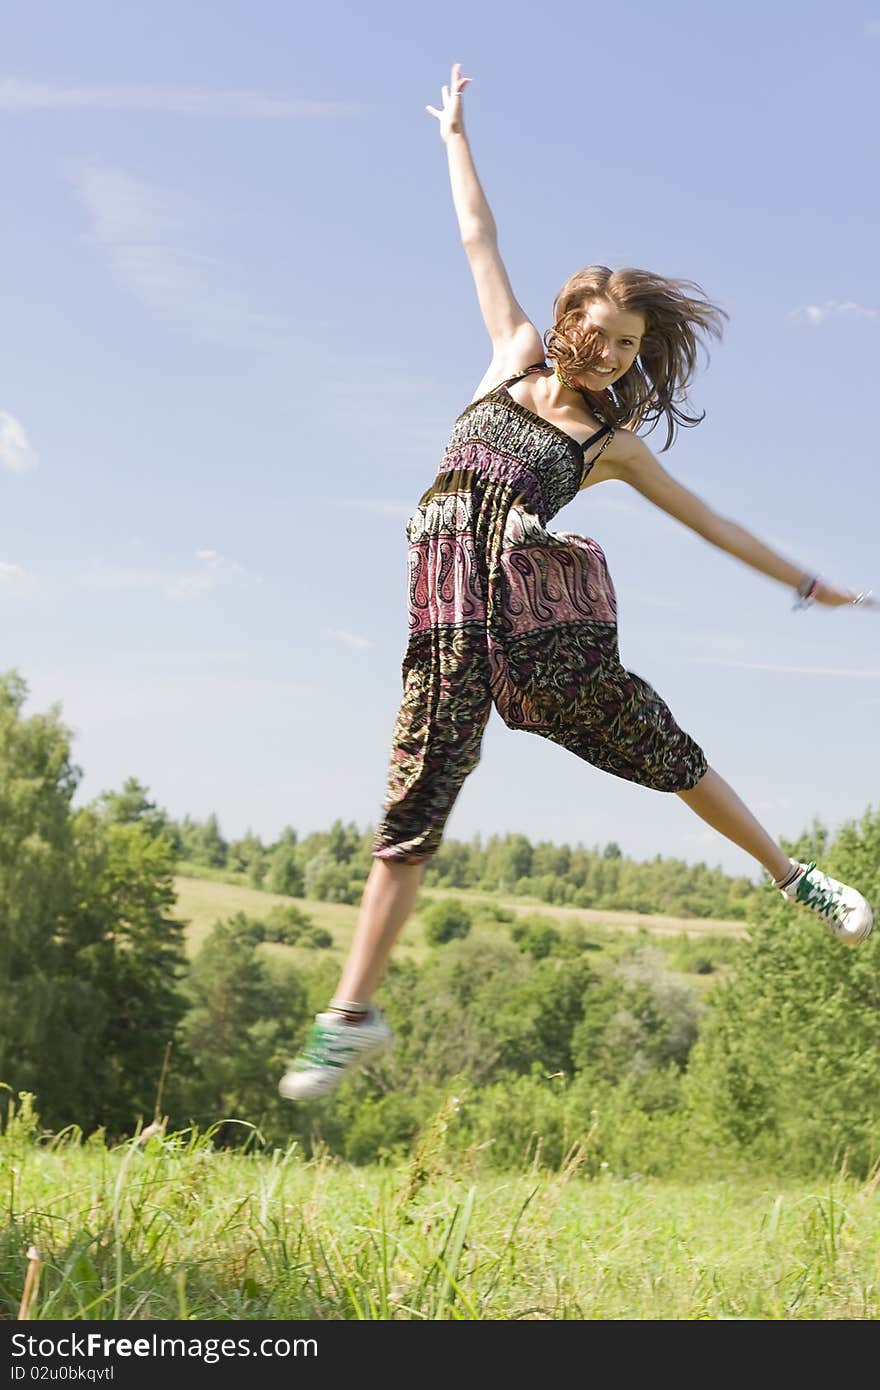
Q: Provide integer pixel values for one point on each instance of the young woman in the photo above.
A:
(504, 612)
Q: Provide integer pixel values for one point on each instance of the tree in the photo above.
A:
(248, 856)
(515, 860)
(787, 1065)
(212, 847)
(244, 1022)
(121, 959)
(283, 925)
(89, 951)
(637, 1021)
(444, 921)
(37, 782)
(131, 806)
(536, 935)
(328, 881)
(283, 872)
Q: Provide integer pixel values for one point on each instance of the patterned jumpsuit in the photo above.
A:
(504, 612)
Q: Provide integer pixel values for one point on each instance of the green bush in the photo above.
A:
(444, 921)
(704, 955)
(539, 936)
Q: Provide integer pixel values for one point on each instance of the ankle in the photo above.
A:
(786, 879)
(352, 1010)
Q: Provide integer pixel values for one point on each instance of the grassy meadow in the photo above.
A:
(170, 1228)
(202, 901)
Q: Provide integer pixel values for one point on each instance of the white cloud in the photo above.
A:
(145, 231)
(213, 572)
(833, 308)
(349, 638)
(377, 505)
(9, 572)
(20, 94)
(788, 670)
(15, 450)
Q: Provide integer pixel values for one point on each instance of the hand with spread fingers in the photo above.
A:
(836, 598)
(451, 118)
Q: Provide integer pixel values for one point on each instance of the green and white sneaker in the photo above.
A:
(845, 912)
(332, 1048)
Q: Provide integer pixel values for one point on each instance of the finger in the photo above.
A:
(433, 110)
(444, 92)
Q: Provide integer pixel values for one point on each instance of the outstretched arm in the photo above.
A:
(634, 463)
(509, 328)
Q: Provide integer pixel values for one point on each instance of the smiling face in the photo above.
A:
(619, 334)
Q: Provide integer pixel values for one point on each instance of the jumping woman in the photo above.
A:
(504, 612)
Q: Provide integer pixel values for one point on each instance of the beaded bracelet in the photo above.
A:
(806, 591)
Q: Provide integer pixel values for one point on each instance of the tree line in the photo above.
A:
(331, 866)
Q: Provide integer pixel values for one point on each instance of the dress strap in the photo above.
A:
(608, 431)
(594, 439)
(535, 367)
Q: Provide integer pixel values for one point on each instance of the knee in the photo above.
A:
(401, 856)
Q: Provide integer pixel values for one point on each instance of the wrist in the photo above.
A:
(807, 590)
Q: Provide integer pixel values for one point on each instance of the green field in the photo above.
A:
(201, 902)
(174, 1229)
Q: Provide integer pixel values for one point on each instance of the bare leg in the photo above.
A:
(718, 804)
(389, 897)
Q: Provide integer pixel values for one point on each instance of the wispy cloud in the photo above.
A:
(144, 231)
(15, 450)
(654, 600)
(9, 573)
(350, 639)
(833, 308)
(21, 94)
(377, 505)
(786, 669)
(97, 701)
(212, 572)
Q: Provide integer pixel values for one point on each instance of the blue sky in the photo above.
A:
(238, 323)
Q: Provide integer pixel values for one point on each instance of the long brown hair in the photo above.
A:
(678, 319)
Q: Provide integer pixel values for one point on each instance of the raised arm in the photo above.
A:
(630, 460)
(513, 336)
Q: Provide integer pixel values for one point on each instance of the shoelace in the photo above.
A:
(322, 1047)
(325, 1047)
(826, 900)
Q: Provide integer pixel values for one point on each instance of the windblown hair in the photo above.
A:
(678, 319)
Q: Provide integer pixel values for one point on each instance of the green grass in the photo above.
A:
(202, 901)
(173, 1229)
(658, 924)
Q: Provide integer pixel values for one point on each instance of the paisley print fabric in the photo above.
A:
(505, 613)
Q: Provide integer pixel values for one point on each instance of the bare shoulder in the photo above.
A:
(621, 459)
(628, 454)
(523, 349)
